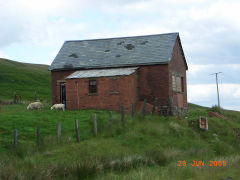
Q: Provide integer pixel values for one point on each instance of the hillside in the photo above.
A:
(24, 79)
(147, 148)
(150, 147)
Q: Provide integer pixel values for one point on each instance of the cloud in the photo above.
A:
(3, 55)
(236, 94)
(202, 73)
(206, 94)
(40, 6)
(198, 21)
(209, 32)
(234, 107)
(55, 33)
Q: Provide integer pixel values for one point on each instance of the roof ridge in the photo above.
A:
(128, 37)
(148, 49)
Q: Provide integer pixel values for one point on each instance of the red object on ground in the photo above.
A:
(216, 114)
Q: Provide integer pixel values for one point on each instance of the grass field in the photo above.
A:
(147, 148)
(24, 79)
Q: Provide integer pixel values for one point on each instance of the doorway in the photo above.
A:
(63, 93)
(180, 100)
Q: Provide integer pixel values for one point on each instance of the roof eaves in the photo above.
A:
(182, 52)
(112, 66)
(103, 73)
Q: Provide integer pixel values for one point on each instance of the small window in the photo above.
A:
(173, 83)
(92, 86)
(182, 83)
(178, 83)
(179, 88)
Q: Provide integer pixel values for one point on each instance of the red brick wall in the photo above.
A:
(148, 82)
(177, 65)
(56, 76)
(153, 82)
(78, 98)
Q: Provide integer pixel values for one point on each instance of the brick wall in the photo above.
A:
(153, 82)
(148, 82)
(57, 76)
(112, 92)
(177, 65)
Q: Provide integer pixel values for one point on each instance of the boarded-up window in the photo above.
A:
(92, 86)
(113, 85)
(179, 88)
(177, 83)
(173, 82)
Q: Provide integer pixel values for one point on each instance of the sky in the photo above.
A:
(34, 31)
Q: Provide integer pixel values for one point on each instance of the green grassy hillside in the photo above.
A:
(147, 148)
(24, 79)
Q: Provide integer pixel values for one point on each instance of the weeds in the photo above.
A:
(216, 108)
(147, 148)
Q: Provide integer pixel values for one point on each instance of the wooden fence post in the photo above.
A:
(77, 130)
(38, 135)
(144, 107)
(110, 119)
(15, 138)
(14, 98)
(122, 116)
(154, 105)
(95, 125)
(58, 132)
(170, 106)
(133, 110)
(35, 96)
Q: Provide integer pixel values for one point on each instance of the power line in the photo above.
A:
(217, 86)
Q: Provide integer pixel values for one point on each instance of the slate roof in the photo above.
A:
(101, 73)
(115, 52)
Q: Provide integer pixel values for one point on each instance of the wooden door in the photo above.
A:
(180, 100)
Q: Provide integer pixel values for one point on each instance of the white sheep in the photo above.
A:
(34, 105)
(58, 106)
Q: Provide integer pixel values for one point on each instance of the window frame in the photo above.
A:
(92, 89)
(174, 85)
(182, 84)
(178, 81)
(178, 84)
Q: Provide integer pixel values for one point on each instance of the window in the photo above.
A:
(173, 82)
(177, 83)
(113, 85)
(179, 88)
(182, 84)
(92, 86)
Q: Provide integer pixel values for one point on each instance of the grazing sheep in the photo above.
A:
(58, 106)
(34, 105)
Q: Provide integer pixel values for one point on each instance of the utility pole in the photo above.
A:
(217, 86)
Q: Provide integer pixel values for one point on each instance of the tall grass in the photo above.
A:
(147, 148)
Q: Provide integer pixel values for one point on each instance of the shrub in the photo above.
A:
(157, 156)
(216, 108)
(221, 148)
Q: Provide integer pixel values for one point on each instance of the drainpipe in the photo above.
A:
(77, 95)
